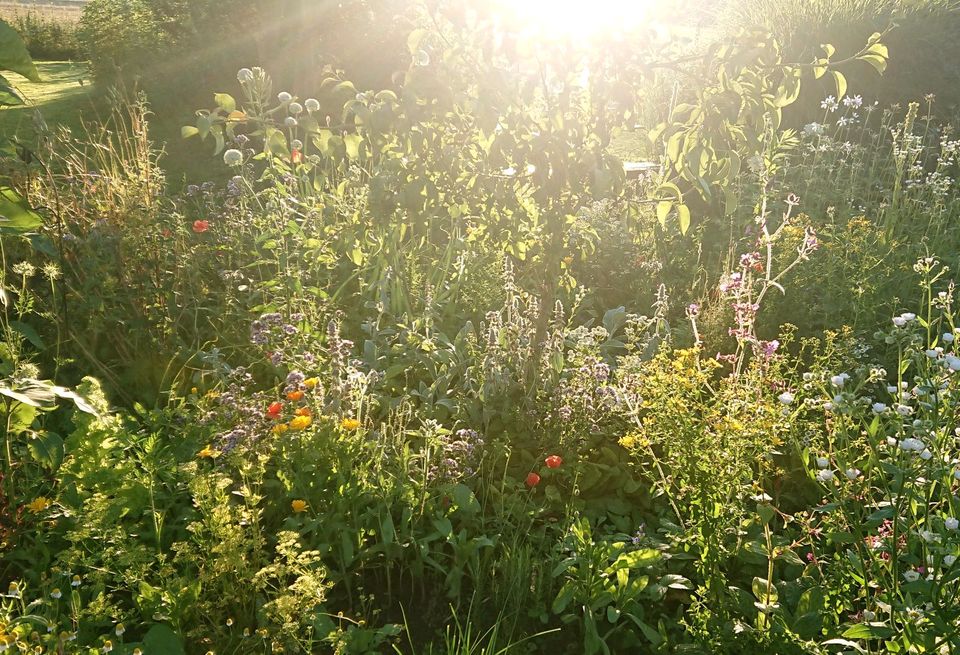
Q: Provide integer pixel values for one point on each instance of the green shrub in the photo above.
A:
(923, 47)
(48, 38)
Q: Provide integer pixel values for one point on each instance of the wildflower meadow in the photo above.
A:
(480, 328)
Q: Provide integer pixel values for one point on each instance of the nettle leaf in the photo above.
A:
(46, 448)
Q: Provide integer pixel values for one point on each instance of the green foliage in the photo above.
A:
(47, 38)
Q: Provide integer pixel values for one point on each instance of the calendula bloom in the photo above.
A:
(298, 506)
(201, 226)
(533, 479)
(311, 383)
(303, 411)
(553, 462)
(300, 423)
(208, 452)
(295, 395)
(273, 411)
(349, 424)
(38, 504)
(280, 428)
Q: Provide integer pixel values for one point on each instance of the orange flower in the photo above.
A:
(273, 411)
(533, 479)
(300, 423)
(349, 424)
(201, 226)
(298, 506)
(553, 462)
(303, 411)
(295, 395)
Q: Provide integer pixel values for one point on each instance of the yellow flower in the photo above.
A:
(349, 424)
(311, 383)
(280, 428)
(300, 422)
(628, 441)
(39, 504)
(208, 452)
(193, 390)
(298, 506)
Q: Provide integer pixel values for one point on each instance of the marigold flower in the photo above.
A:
(273, 411)
(533, 479)
(38, 504)
(201, 226)
(303, 411)
(295, 395)
(554, 461)
(298, 506)
(349, 424)
(300, 423)
(280, 428)
(208, 452)
(311, 383)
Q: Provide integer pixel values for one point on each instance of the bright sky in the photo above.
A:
(586, 17)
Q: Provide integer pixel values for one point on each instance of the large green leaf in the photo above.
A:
(13, 54)
(15, 214)
(8, 94)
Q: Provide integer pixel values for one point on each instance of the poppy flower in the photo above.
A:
(201, 226)
(273, 411)
(295, 395)
(554, 461)
(533, 479)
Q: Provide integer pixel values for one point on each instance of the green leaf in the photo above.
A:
(683, 214)
(879, 63)
(16, 216)
(663, 210)
(563, 597)
(46, 448)
(638, 558)
(352, 143)
(841, 82)
(161, 639)
(225, 101)
(13, 54)
(28, 332)
(188, 131)
(868, 631)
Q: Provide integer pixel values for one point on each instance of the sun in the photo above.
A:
(565, 18)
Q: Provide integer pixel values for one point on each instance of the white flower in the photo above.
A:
(233, 157)
(839, 380)
(911, 576)
(283, 96)
(295, 108)
(245, 75)
(312, 104)
(891, 441)
(911, 444)
(868, 615)
(852, 474)
(808, 377)
(953, 362)
(826, 475)
(290, 121)
(926, 454)
(879, 408)
(951, 523)
(929, 537)
(948, 560)
(931, 353)
(892, 389)
(909, 316)
(786, 398)
(947, 337)
(904, 410)
(823, 462)
(899, 321)
(828, 406)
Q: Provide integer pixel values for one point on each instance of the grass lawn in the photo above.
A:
(63, 101)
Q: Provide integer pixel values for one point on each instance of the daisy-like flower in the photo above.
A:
(207, 453)
(349, 424)
(39, 504)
